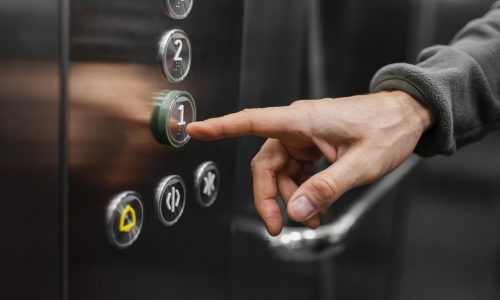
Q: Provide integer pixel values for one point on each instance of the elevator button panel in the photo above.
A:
(170, 199)
(178, 9)
(207, 181)
(172, 112)
(175, 55)
(124, 219)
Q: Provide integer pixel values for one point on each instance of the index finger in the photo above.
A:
(271, 122)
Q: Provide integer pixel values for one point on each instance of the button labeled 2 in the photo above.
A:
(170, 199)
(175, 55)
(172, 112)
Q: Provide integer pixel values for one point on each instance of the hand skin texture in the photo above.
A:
(364, 137)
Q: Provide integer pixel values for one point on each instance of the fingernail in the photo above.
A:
(301, 208)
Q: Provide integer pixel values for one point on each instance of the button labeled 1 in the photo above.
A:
(178, 9)
(170, 199)
(207, 181)
(172, 112)
(124, 219)
(175, 55)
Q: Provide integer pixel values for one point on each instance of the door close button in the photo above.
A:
(172, 112)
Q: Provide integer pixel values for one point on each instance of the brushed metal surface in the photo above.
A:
(29, 105)
(115, 73)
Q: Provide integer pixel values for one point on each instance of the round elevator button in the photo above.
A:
(178, 9)
(207, 182)
(172, 112)
(124, 219)
(170, 199)
(175, 55)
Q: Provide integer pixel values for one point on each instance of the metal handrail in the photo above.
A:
(303, 244)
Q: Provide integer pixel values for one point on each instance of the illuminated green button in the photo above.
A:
(172, 112)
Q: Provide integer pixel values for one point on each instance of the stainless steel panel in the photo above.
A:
(29, 116)
(115, 73)
(273, 74)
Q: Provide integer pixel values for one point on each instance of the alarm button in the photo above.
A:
(175, 55)
(207, 181)
(170, 199)
(172, 112)
(178, 9)
(124, 219)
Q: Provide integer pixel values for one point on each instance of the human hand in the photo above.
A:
(364, 137)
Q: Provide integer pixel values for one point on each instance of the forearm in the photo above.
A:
(459, 83)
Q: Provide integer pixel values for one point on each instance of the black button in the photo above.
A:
(170, 199)
(207, 182)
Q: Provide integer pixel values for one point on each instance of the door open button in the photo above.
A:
(170, 199)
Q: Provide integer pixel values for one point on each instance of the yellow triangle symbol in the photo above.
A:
(123, 218)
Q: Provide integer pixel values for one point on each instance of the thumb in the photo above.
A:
(324, 188)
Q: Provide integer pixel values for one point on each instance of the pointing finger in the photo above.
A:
(270, 122)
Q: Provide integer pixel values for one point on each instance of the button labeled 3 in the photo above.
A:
(175, 55)
(207, 181)
(172, 112)
(170, 199)
(178, 9)
(124, 219)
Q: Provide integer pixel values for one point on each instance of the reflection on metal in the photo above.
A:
(316, 55)
(303, 244)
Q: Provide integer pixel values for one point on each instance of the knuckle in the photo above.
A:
(258, 163)
(327, 190)
(248, 111)
(298, 102)
(258, 205)
(254, 164)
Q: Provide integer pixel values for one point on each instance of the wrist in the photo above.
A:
(423, 115)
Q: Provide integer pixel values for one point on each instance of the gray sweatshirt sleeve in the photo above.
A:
(459, 83)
